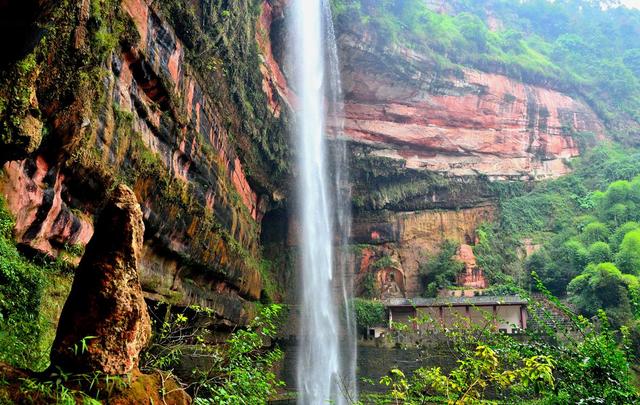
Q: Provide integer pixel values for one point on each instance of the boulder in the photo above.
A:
(104, 323)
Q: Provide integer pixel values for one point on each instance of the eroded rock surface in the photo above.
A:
(105, 324)
(409, 239)
(460, 123)
(201, 140)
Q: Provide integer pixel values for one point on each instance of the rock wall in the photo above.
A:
(167, 98)
(434, 148)
(408, 238)
(463, 123)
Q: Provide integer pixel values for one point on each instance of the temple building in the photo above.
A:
(466, 303)
(508, 314)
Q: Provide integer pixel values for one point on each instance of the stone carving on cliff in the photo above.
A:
(390, 278)
(390, 288)
(104, 323)
(473, 276)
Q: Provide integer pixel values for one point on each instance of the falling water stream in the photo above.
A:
(326, 357)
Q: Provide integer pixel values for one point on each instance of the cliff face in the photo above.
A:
(187, 102)
(460, 123)
(433, 148)
(170, 100)
(409, 238)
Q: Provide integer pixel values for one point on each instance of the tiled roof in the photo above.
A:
(455, 301)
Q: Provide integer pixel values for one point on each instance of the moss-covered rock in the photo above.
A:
(166, 98)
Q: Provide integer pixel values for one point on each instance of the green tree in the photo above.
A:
(618, 235)
(601, 286)
(440, 271)
(595, 232)
(620, 213)
(631, 59)
(558, 263)
(628, 256)
(617, 192)
(599, 252)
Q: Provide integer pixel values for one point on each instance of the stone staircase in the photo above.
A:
(545, 314)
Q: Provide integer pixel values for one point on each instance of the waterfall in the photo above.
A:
(326, 351)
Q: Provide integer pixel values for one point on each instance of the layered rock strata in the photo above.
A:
(141, 92)
(463, 122)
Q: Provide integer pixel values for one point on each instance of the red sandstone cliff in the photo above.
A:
(459, 123)
(425, 138)
(151, 103)
(469, 123)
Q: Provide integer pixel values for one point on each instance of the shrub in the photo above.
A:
(21, 285)
(602, 287)
(618, 235)
(238, 372)
(369, 313)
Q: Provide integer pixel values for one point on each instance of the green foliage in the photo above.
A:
(271, 289)
(628, 257)
(594, 232)
(599, 252)
(550, 365)
(497, 254)
(621, 232)
(239, 372)
(247, 376)
(368, 313)
(558, 262)
(21, 286)
(383, 262)
(16, 102)
(537, 211)
(600, 287)
(63, 388)
(370, 286)
(577, 227)
(566, 216)
(440, 270)
(475, 375)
